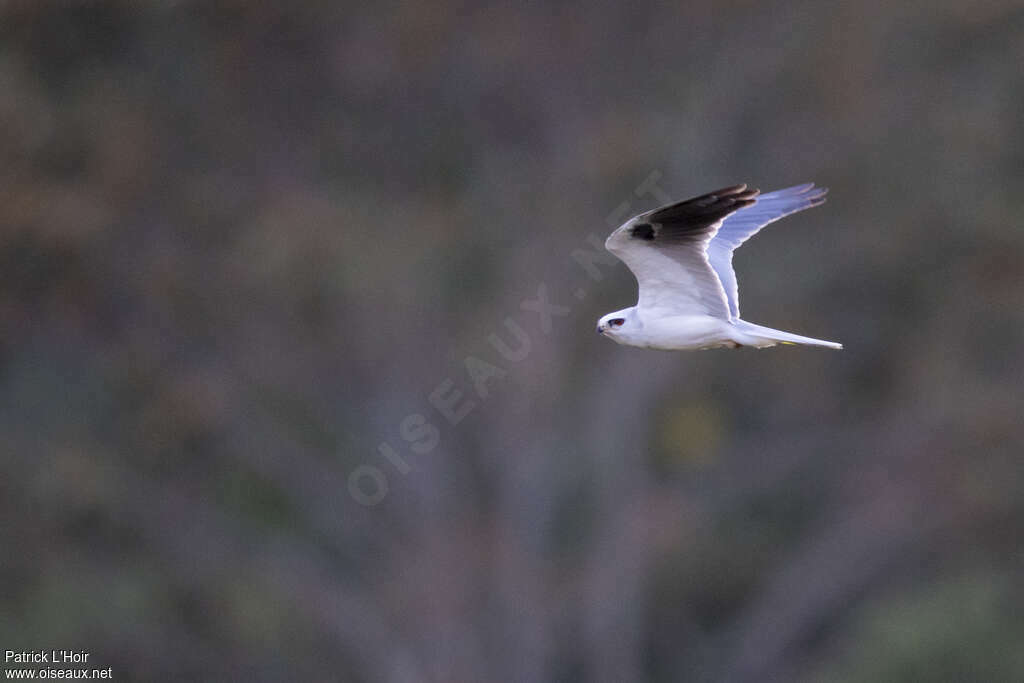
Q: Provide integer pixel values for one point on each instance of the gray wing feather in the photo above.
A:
(744, 224)
(666, 250)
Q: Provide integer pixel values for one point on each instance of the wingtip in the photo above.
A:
(813, 195)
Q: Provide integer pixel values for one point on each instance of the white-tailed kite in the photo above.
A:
(681, 255)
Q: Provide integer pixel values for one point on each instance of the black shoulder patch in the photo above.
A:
(643, 231)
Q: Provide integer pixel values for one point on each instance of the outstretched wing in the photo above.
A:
(742, 225)
(666, 250)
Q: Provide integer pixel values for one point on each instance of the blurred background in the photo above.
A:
(298, 372)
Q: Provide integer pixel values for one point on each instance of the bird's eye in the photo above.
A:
(615, 322)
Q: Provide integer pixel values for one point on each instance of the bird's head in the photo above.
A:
(613, 324)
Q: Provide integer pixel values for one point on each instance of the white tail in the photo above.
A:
(767, 334)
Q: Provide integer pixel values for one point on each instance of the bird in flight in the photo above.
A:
(681, 255)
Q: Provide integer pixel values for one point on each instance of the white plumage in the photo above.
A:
(681, 255)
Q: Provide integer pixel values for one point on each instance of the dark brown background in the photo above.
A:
(240, 244)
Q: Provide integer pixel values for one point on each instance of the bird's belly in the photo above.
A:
(680, 333)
